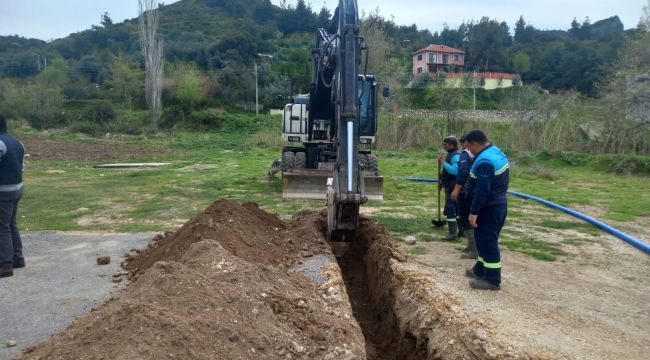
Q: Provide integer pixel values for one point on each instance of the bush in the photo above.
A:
(87, 127)
(100, 112)
(207, 119)
(630, 165)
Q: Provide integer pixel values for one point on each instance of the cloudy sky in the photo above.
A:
(51, 19)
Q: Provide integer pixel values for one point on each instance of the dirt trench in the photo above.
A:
(236, 282)
(404, 315)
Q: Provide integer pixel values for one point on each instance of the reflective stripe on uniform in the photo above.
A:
(492, 265)
(488, 265)
(502, 170)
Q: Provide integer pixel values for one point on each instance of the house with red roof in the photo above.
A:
(438, 58)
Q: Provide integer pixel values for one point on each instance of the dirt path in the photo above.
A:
(574, 309)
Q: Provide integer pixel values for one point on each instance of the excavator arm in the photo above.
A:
(345, 190)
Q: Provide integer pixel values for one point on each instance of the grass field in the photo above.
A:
(73, 195)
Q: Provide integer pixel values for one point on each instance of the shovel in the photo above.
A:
(439, 222)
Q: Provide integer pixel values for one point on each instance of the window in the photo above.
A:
(420, 70)
(456, 57)
(419, 57)
(433, 58)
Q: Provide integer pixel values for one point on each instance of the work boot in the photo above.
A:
(470, 252)
(6, 272)
(453, 231)
(482, 284)
(19, 264)
(470, 274)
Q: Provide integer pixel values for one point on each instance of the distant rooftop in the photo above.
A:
(439, 48)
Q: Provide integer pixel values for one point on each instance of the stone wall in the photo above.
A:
(478, 115)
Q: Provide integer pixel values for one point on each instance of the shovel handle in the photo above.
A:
(439, 173)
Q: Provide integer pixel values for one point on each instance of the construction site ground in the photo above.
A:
(238, 282)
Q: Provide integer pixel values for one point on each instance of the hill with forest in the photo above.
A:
(212, 47)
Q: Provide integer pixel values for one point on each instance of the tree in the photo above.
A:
(89, 67)
(521, 63)
(627, 93)
(125, 80)
(324, 16)
(188, 85)
(152, 50)
(524, 33)
(106, 20)
(644, 23)
(265, 11)
(56, 74)
(487, 44)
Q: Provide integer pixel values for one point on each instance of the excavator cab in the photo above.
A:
(306, 164)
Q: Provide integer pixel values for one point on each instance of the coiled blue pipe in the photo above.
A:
(601, 225)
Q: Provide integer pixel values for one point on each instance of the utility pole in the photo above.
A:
(257, 106)
(474, 91)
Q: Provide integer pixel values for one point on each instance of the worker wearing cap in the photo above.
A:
(490, 176)
(11, 190)
(448, 181)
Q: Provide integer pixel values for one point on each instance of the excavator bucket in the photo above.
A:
(312, 184)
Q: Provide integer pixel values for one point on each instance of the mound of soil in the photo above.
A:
(221, 287)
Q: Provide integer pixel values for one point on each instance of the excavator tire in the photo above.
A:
(372, 163)
(300, 160)
(288, 160)
(363, 161)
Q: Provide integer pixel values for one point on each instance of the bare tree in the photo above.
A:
(152, 50)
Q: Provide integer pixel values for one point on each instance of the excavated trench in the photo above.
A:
(375, 316)
(402, 314)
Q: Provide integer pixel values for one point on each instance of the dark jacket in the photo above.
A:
(450, 168)
(11, 163)
(462, 178)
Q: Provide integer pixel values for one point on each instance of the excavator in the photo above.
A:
(327, 127)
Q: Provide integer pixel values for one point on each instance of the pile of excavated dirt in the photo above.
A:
(223, 286)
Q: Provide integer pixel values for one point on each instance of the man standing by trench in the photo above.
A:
(448, 181)
(490, 176)
(11, 190)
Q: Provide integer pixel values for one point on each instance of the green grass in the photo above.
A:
(536, 248)
(162, 199)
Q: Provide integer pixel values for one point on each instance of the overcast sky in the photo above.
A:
(51, 19)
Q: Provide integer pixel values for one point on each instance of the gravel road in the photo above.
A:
(61, 281)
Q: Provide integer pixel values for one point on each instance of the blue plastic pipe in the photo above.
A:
(619, 234)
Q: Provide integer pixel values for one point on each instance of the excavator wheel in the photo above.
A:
(300, 160)
(288, 159)
(373, 165)
(363, 162)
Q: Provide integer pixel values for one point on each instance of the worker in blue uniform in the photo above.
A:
(11, 190)
(462, 196)
(448, 181)
(490, 176)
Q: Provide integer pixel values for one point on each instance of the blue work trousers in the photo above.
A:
(490, 222)
(451, 207)
(11, 247)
